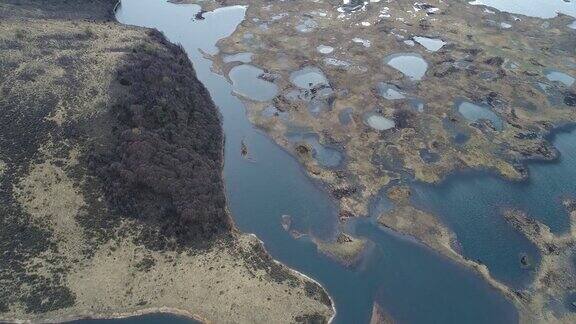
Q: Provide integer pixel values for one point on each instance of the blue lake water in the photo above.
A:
(414, 284)
(472, 203)
(532, 8)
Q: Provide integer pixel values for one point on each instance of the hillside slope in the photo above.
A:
(111, 195)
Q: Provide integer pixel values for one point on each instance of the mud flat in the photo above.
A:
(101, 213)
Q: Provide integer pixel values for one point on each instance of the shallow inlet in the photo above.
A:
(533, 8)
(403, 276)
(557, 76)
(324, 154)
(247, 82)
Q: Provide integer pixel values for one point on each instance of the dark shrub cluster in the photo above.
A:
(58, 9)
(165, 166)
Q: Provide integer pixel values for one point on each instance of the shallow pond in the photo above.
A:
(324, 49)
(428, 156)
(324, 154)
(533, 8)
(413, 283)
(476, 112)
(308, 77)
(431, 44)
(271, 111)
(379, 122)
(307, 25)
(555, 75)
(417, 104)
(411, 65)
(317, 106)
(345, 116)
(238, 57)
(390, 91)
(247, 82)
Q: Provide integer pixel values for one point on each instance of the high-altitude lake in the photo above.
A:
(412, 283)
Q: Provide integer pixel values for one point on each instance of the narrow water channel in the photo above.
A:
(412, 283)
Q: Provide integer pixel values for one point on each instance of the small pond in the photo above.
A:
(557, 76)
(533, 8)
(325, 155)
(431, 44)
(379, 122)
(238, 57)
(411, 65)
(476, 112)
(247, 81)
(390, 91)
(308, 77)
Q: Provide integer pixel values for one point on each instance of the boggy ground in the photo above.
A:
(490, 58)
(106, 136)
(481, 61)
